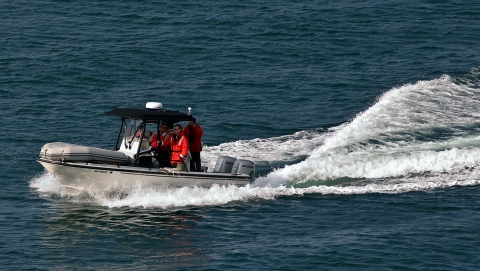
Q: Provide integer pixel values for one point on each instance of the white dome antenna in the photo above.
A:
(189, 110)
(154, 106)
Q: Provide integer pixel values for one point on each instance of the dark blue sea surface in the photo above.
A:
(362, 119)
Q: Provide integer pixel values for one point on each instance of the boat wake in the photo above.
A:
(427, 127)
(168, 198)
(416, 137)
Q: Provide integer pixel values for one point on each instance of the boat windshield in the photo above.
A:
(132, 128)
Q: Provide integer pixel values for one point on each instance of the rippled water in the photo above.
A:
(362, 119)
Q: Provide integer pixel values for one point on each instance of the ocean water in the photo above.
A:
(362, 119)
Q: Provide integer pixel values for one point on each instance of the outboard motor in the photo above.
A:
(244, 167)
(224, 164)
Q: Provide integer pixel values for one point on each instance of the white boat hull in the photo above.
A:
(78, 176)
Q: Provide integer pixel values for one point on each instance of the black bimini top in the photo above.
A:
(149, 115)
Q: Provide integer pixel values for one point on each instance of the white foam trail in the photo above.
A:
(424, 105)
(387, 188)
(221, 195)
(46, 182)
(353, 165)
(403, 126)
(179, 197)
(144, 197)
(281, 149)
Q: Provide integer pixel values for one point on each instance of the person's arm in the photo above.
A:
(198, 130)
(184, 148)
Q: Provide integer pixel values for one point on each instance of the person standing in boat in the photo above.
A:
(178, 148)
(194, 132)
(161, 145)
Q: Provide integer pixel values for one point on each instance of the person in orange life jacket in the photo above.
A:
(178, 147)
(194, 132)
(161, 145)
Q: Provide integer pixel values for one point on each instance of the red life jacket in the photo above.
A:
(178, 146)
(194, 136)
(164, 141)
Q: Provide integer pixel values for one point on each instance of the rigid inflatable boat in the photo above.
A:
(132, 161)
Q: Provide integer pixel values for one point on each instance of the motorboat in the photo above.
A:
(132, 161)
